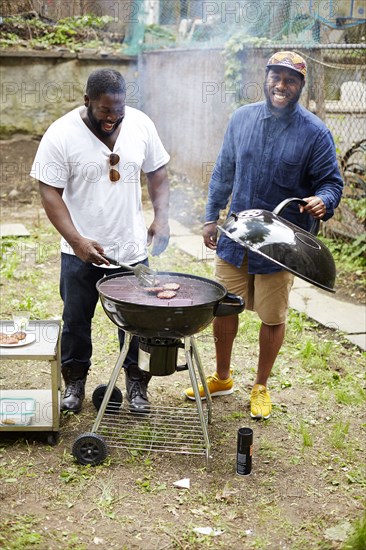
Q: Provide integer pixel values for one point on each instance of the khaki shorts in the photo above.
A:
(267, 294)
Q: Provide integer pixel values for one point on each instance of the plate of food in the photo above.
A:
(16, 339)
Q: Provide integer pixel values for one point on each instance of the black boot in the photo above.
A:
(75, 379)
(136, 389)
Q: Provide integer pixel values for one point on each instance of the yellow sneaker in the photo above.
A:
(260, 402)
(215, 385)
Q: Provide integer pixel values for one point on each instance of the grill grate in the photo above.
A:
(192, 291)
(164, 429)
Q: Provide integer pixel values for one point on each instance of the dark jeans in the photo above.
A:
(78, 291)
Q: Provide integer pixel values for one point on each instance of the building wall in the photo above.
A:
(184, 93)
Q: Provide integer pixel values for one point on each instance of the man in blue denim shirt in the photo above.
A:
(272, 151)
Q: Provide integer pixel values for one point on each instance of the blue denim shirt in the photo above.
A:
(264, 160)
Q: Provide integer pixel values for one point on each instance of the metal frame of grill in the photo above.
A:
(182, 430)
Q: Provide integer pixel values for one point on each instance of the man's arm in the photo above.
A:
(59, 215)
(159, 232)
(327, 181)
(222, 178)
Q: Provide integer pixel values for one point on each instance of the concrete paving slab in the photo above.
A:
(148, 217)
(176, 228)
(184, 239)
(358, 340)
(13, 230)
(194, 246)
(328, 309)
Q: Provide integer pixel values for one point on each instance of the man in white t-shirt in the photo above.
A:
(88, 165)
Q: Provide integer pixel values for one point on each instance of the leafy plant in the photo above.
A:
(357, 539)
(159, 32)
(9, 261)
(350, 255)
(72, 32)
(235, 53)
(23, 534)
(358, 206)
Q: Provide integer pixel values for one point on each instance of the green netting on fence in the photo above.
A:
(210, 23)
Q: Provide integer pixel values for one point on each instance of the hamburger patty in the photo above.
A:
(166, 294)
(12, 338)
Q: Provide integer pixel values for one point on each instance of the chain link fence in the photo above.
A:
(184, 23)
(329, 35)
(336, 92)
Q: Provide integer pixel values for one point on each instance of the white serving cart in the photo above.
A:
(42, 344)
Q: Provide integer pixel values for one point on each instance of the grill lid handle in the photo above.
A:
(314, 228)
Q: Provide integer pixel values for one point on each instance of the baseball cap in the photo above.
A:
(289, 60)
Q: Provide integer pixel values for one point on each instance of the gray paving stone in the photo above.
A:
(13, 230)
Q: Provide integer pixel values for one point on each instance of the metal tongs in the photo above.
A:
(144, 274)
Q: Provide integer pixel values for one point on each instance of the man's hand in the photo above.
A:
(210, 235)
(315, 207)
(89, 251)
(158, 234)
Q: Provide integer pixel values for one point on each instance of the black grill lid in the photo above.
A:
(283, 243)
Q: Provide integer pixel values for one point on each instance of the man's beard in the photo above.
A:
(97, 124)
(281, 111)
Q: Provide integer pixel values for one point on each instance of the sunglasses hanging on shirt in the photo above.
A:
(114, 175)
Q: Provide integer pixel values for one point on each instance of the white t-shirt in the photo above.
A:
(71, 157)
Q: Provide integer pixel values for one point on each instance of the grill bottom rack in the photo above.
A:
(164, 429)
(180, 430)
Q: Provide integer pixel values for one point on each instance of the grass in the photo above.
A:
(307, 458)
(349, 392)
(338, 436)
(23, 533)
(306, 437)
(357, 539)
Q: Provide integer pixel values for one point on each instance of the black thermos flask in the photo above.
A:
(244, 451)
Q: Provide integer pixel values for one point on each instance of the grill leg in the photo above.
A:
(189, 346)
(202, 378)
(112, 382)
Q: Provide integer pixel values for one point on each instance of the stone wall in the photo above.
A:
(38, 88)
